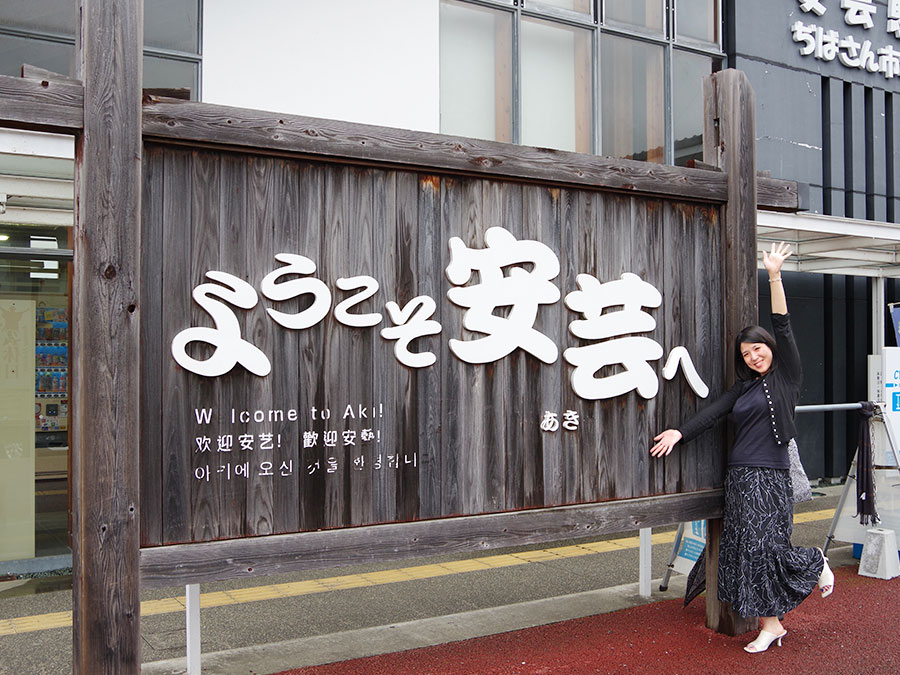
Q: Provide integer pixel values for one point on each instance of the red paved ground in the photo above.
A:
(856, 630)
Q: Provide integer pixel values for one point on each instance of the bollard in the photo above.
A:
(879, 555)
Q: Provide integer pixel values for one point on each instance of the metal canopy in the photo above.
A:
(832, 245)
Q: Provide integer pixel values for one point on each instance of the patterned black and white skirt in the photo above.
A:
(760, 573)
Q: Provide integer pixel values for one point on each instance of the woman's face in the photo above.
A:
(757, 356)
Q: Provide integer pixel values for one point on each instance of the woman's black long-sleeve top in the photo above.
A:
(781, 385)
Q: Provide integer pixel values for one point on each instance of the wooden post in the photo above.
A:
(729, 142)
(105, 336)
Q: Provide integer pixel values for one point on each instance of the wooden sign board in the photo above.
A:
(338, 432)
(225, 191)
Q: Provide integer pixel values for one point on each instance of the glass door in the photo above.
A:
(36, 217)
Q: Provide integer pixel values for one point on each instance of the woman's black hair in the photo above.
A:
(752, 334)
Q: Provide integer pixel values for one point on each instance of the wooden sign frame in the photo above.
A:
(113, 127)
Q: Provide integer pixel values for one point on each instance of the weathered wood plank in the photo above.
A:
(288, 373)
(553, 389)
(175, 267)
(313, 347)
(729, 107)
(224, 125)
(452, 224)
(339, 362)
(394, 266)
(152, 423)
(575, 221)
(732, 145)
(261, 205)
(710, 336)
(618, 217)
(775, 194)
(630, 460)
(49, 105)
(201, 563)
(540, 222)
(257, 130)
(204, 256)
(648, 263)
(691, 454)
(236, 247)
(502, 204)
(35, 73)
(395, 386)
(430, 252)
(591, 479)
(106, 326)
(468, 223)
(677, 313)
(360, 367)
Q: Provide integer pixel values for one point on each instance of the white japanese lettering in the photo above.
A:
(550, 421)
(889, 61)
(632, 353)
(229, 348)
(294, 288)
(679, 357)
(522, 291)
(812, 6)
(893, 12)
(411, 322)
(369, 288)
(859, 12)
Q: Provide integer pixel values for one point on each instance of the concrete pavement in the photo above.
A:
(260, 626)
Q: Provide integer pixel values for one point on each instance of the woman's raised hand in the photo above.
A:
(774, 259)
(665, 442)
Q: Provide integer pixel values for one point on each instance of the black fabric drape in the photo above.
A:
(865, 469)
(696, 581)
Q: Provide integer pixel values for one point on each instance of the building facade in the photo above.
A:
(608, 77)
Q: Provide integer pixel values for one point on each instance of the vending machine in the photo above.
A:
(51, 391)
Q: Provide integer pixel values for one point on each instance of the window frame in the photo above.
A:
(196, 59)
(594, 21)
(670, 44)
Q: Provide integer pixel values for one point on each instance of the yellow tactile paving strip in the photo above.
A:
(26, 624)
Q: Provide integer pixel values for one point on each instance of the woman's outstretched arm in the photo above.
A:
(773, 262)
(665, 442)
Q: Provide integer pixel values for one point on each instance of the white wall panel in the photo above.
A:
(354, 60)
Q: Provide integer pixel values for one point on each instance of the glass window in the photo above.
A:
(580, 6)
(36, 175)
(476, 71)
(633, 99)
(60, 58)
(169, 24)
(170, 74)
(556, 85)
(646, 14)
(172, 24)
(49, 16)
(697, 20)
(32, 236)
(533, 73)
(688, 71)
(34, 400)
(52, 56)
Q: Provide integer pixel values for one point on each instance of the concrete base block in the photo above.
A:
(879, 556)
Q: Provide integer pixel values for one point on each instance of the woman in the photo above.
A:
(760, 573)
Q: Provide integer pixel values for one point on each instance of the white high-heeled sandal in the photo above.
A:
(763, 641)
(826, 578)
